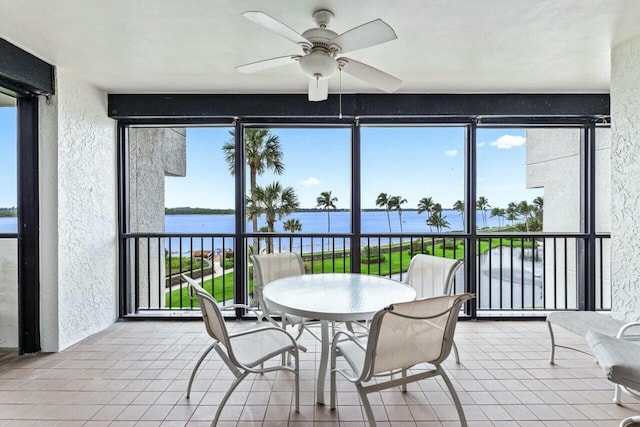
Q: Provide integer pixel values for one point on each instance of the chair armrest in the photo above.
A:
(348, 336)
(245, 306)
(623, 330)
(265, 328)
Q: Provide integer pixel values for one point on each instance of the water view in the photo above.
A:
(312, 223)
(8, 224)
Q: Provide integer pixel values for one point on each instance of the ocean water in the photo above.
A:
(8, 224)
(312, 222)
(317, 222)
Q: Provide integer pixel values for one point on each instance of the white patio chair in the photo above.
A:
(402, 336)
(266, 269)
(619, 361)
(433, 276)
(244, 352)
(229, 307)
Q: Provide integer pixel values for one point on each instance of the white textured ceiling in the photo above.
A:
(443, 46)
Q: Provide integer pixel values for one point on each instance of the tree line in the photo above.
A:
(8, 212)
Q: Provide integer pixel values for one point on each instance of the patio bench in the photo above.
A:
(581, 322)
(619, 361)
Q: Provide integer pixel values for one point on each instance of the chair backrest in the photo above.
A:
(403, 335)
(269, 267)
(431, 275)
(211, 314)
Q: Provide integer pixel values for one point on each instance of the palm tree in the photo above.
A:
(262, 151)
(275, 202)
(396, 203)
(292, 225)
(326, 202)
(500, 213)
(383, 202)
(426, 205)
(538, 206)
(483, 204)
(437, 220)
(459, 206)
(512, 212)
(525, 209)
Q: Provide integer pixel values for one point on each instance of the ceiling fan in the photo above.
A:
(321, 48)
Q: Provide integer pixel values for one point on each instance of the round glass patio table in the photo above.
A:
(334, 297)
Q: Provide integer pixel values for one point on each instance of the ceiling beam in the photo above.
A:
(159, 106)
(21, 73)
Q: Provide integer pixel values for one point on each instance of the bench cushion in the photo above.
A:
(580, 322)
(619, 359)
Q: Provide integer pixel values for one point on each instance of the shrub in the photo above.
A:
(417, 247)
(451, 244)
(373, 259)
(228, 263)
(370, 251)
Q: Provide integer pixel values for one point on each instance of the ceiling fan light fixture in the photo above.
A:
(318, 64)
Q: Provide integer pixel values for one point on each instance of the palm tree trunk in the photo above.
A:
(400, 219)
(389, 220)
(254, 216)
(270, 239)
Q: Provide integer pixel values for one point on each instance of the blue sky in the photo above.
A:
(410, 162)
(8, 170)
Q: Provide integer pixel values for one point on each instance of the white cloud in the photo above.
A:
(481, 144)
(506, 142)
(310, 182)
(451, 153)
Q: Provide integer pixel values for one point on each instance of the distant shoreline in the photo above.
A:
(8, 212)
(209, 211)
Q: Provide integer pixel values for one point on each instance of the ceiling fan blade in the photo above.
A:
(276, 26)
(267, 63)
(365, 35)
(371, 75)
(318, 89)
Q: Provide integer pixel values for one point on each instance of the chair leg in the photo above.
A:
(366, 404)
(235, 384)
(630, 421)
(454, 395)
(297, 337)
(332, 388)
(553, 344)
(455, 353)
(285, 356)
(404, 385)
(195, 369)
(297, 391)
(616, 395)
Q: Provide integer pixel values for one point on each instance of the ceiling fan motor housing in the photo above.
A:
(319, 61)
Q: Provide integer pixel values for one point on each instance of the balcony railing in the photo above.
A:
(524, 273)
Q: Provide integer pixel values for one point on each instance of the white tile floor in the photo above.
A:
(136, 373)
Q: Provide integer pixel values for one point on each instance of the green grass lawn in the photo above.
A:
(222, 290)
(187, 264)
(394, 263)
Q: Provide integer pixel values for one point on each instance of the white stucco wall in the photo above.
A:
(153, 154)
(553, 163)
(8, 293)
(78, 214)
(625, 184)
